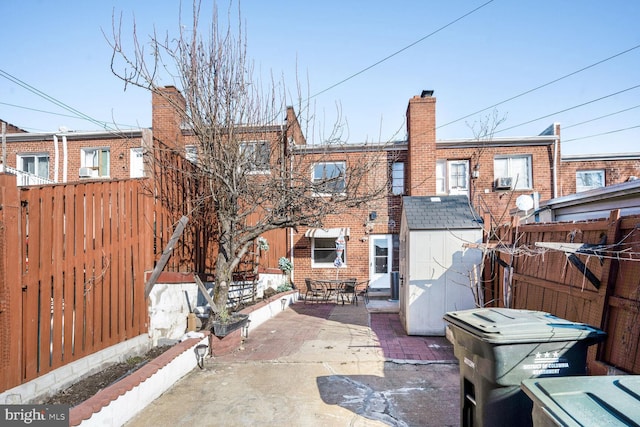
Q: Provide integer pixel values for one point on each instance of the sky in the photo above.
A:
(531, 62)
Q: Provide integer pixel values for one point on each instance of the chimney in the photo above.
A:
(167, 103)
(421, 141)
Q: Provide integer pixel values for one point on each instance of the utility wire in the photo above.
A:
(542, 86)
(399, 51)
(570, 108)
(601, 117)
(53, 100)
(103, 123)
(600, 134)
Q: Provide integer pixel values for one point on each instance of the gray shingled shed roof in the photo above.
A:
(439, 213)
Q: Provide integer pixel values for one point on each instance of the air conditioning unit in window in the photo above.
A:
(504, 183)
(85, 173)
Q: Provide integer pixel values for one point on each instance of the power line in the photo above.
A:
(570, 108)
(53, 100)
(601, 117)
(542, 86)
(601, 134)
(400, 51)
(103, 123)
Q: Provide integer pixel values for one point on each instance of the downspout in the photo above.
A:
(56, 158)
(287, 148)
(555, 167)
(65, 161)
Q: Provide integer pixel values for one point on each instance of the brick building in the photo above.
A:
(68, 156)
(491, 173)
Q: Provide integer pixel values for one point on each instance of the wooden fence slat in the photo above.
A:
(69, 279)
(57, 228)
(11, 335)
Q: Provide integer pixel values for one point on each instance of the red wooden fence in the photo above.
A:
(72, 275)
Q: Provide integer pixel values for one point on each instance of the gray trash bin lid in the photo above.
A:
(587, 401)
(506, 326)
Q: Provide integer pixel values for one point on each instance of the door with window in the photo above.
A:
(136, 163)
(458, 177)
(380, 260)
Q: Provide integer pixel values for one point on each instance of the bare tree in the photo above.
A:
(251, 182)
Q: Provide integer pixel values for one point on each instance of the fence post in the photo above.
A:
(10, 283)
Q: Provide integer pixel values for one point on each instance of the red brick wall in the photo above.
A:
(616, 172)
(119, 147)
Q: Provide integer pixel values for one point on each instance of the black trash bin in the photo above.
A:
(585, 401)
(498, 348)
(395, 285)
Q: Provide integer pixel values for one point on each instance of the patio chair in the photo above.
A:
(314, 289)
(348, 289)
(361, 288)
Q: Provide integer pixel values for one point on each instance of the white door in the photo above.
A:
(136, 163)
(458, 177)
(380, 260)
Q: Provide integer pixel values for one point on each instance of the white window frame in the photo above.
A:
(441, 176)
(328, 264)
(257, 155)
(581, 174)
(518, 182)
(397, 178)
(191, 153)
(36, 163)
(321, 181)
(96, 166)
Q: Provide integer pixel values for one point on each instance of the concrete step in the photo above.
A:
(379, 293)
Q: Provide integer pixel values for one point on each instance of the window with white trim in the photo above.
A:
(589, 179)
(95, 162)
(191, 153)
(329, 177)
(323, 252)
(256, 154)
(34, 163)
(397, 178)
(441, 177)
(517, 168)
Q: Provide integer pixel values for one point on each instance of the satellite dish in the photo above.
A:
(524, 202)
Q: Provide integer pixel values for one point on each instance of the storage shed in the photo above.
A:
(436, 270)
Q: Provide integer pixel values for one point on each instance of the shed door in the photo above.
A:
(380, 261)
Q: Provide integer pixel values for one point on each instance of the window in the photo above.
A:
(191, 153)
(588, 180)
(256, 154)
(397, 179)
(95, 162)
(518, 168)
(323, 252)
(36, 164)
(452, 177)
(329, 178)
(441, 177)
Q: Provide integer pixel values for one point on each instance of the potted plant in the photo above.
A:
(285, 265)
(225, 323)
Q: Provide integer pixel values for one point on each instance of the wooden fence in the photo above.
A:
(73, 259)
(72, 272)
(585, 272)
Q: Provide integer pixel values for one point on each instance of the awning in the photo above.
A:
(327, 232)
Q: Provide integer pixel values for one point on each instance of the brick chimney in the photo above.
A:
(421, 131)
(166, 103)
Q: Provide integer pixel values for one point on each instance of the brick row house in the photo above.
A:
(69, 156)
(492, 173)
